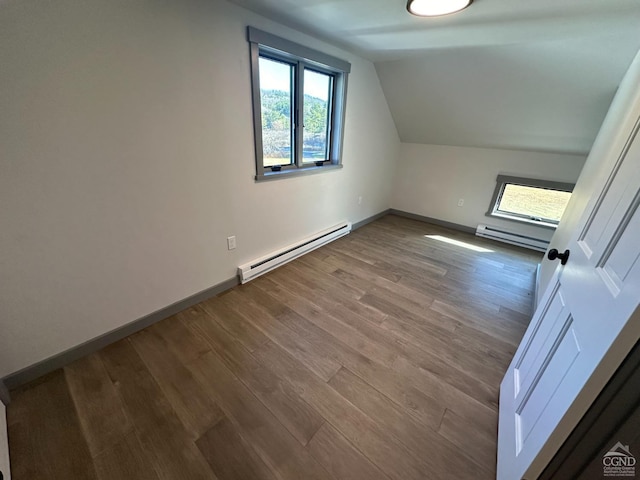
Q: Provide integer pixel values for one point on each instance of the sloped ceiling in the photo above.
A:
(502, 73)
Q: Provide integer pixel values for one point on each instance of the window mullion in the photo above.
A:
(331, 121)
(299, 109)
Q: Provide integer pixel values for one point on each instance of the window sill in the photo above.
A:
(551, 226)
(297, 172)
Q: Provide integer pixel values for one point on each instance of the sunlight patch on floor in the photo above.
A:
(458, 243)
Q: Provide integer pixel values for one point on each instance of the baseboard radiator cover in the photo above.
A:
(502, 235)
(265, 264)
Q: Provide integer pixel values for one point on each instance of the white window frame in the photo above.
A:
(263, 44)
(503, 180)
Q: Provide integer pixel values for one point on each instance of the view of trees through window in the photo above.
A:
(277, 104)
(276, 100)
(316, 116)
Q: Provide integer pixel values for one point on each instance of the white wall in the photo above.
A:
(126, 159)
(4, 444)
(432, 178)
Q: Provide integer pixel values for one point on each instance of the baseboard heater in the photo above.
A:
(265, 264)
(501, 235)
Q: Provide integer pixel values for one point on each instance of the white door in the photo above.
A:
(587, 320)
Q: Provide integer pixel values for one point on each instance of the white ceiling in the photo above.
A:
(535, 75)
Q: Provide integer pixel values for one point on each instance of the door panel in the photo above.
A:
(560, 358)
(536, 355)
(616, 267)
(585, 323)
(617, 201)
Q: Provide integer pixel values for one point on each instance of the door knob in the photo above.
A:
(564, 257)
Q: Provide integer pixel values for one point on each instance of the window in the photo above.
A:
(298, 107)
(537, 202)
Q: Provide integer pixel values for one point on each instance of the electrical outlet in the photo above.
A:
(231, 242)
(360, 200)
(461, 202)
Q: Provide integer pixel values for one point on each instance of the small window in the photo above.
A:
(527, 200)
(298, 107)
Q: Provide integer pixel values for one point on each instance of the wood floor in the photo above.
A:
(376, 357)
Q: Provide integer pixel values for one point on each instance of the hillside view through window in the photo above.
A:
(533, 202)
(277, 79)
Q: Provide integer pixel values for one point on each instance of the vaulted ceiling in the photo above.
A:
(534, 75)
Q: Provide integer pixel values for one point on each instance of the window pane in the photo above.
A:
(317, 108)
(533, 202)
(277, 107)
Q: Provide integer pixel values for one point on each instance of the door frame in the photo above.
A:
(615, 404)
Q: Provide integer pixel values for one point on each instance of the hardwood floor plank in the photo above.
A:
(412, 434)
(388, 454)
(257, 425)
(514, 300)
(195, 409)
(332, 299)
(493, 326)
(379, 255)
(97, 403)
(125, 459)
(188, 347)
(365, 338)
(481, 415)
(434, 251)
(417, 350)
(161, 434)
(471, 358)
(339, 259)
(413, 299)
(448, 292)
(390, 381)
(229, 455)
(313, 313)
(476, 444)
(430, 321)
(220, 308)
(45, 435)
(316, 260)
(512, 315)
(261, 317)
(341, 458)
(301, 420)
(25, 455)
(322, 284)
(428, 346)
(516, 282)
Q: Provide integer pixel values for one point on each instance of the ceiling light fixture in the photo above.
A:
(434, 8)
